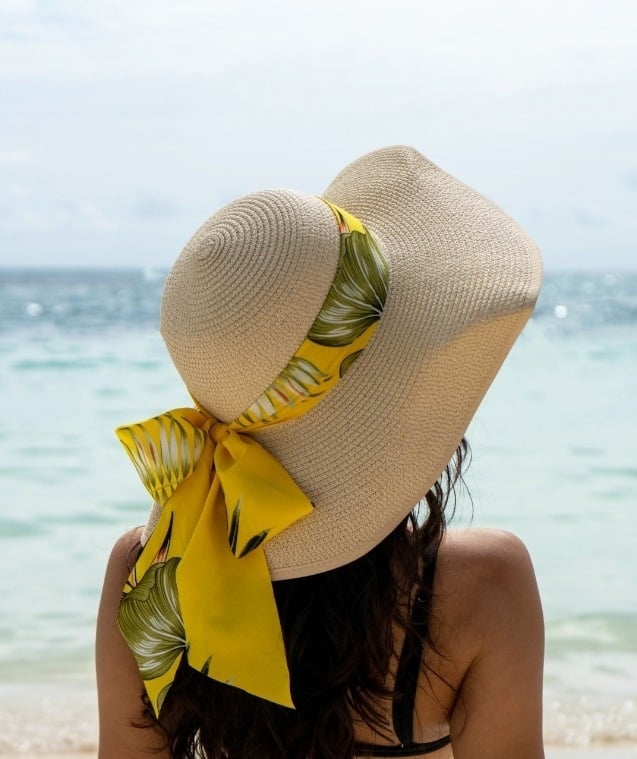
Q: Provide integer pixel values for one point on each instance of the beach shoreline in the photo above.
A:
(591, 752)
(58, 719)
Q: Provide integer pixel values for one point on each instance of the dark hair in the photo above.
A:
(337, 628)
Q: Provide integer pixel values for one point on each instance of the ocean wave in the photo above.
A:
(39, 301)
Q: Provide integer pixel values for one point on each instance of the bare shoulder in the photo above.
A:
(483, 558)
(120, 563)
(123, 552)
(119, 686)
(485, 591)
(489, 622)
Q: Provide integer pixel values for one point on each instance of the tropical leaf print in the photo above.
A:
(299, 380)
(348, 361)
(254, 542)
(233, 534)
(357, 296)
(159, 557)
(343, 327)
(164, 451)
(162, 696)
(150, 620)
(162, 553)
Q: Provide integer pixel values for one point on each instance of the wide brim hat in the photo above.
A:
(242, 296)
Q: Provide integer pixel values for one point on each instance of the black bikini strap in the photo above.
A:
(415, 749)
(411, 656)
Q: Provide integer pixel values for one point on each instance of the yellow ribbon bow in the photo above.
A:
(201, 585)
(204, 588)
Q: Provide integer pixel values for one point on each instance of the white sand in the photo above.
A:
(602, 752)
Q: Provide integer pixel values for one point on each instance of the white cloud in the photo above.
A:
(14, 190)
(141, 117)
(21, 209)
(491, 44)
(153, 206)
(14, 157)
(90, 214)
(12, 9)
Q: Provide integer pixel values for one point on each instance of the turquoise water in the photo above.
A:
(553, 461)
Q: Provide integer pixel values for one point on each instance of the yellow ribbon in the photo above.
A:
(223, 496)
(201, 586)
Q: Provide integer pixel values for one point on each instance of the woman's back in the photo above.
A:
(482, 684)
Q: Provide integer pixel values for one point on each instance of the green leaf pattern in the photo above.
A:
(150, 619)
(233, 534)
(348, 361)
(357, 295)
(300, 379)
(254, 542)
(355, 301)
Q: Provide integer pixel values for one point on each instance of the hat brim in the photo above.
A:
(464, 278)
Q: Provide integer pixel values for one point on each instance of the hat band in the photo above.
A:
(344, 326)
(201, 585)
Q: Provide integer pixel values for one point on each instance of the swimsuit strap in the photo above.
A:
(414, 749)
(411, 656)
(407, 678)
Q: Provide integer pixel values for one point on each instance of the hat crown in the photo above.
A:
(244, 292)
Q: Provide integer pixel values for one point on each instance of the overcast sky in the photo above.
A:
(125, 123)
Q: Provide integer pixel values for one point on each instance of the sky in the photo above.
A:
(124, 124)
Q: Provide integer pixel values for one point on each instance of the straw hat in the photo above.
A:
(242, 296)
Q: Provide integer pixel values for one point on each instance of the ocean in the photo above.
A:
(553, 461)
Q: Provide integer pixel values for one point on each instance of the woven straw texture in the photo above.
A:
(244, 292)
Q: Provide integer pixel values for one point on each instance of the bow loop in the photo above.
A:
(165, 449)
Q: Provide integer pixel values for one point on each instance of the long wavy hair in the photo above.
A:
(337, 628)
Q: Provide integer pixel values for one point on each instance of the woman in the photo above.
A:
(284, 600)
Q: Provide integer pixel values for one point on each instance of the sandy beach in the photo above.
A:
(602, 752)
(624, 752)
(63, 725)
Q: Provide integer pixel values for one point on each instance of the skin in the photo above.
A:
(487, 628)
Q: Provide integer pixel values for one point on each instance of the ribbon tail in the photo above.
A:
(261, 497)
(231, 622)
